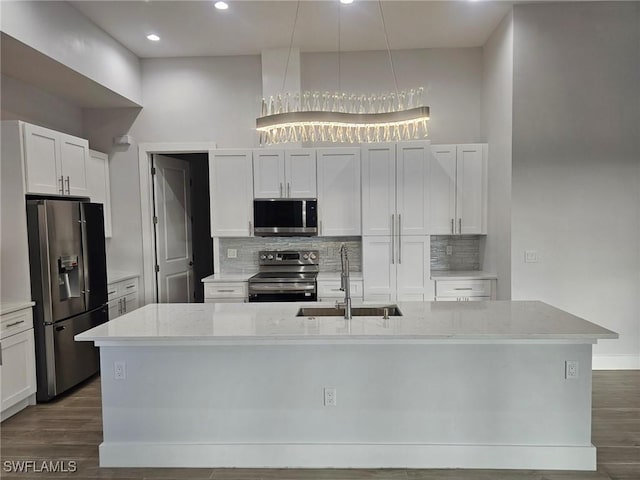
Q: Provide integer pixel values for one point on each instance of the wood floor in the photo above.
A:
(70, 428)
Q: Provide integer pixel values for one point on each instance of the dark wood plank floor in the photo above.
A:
(70, 428)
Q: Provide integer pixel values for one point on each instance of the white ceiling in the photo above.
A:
(196, 28)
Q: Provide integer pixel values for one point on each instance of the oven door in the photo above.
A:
(282, 292)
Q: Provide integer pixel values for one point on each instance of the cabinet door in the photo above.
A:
(442, 190)
(74, 153)
(115, 308)
(379, 189)
(413, 166)
(43, 169)
(231, 186)
(471, 189)
(268, 174)
(18, 368)
(414, 270)
(99, 186)
(300, 173)
(339, 191)
(379, 269)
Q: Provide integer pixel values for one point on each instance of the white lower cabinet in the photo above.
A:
(123, 297)
(396, 269)
(329, 291)
(18, 365)
(465, 290)
(226, 292)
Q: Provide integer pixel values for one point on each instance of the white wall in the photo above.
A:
(22, 101)
(576, 165)
(497, 113)
(452, 78)
(61, 32)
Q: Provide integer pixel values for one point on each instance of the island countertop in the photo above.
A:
(277, 323)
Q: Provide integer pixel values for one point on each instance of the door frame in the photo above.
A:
(145, 151)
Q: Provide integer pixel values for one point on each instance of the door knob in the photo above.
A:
(191, 264)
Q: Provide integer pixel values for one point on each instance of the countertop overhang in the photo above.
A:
(276, 324)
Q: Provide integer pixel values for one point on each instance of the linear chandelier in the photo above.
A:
(342, 117)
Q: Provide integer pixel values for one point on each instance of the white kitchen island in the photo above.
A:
(459, 385)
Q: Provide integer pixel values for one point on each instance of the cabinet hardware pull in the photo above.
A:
(119, 306)
(110, 292)
(250, 228)
(466, 288)
(393, 239)
(320, 224)
(452, 232)
(225, 291)
(15, 323)
(280, 189)
(68, 186)
(131, 286)
(460, 226)
(124, 301)
(61, 185)
(288, 189)
(399, 238)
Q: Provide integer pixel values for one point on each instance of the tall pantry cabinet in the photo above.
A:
(395, 221)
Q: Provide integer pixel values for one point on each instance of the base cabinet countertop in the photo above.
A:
(446, 385)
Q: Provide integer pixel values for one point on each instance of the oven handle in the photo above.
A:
(281, 287)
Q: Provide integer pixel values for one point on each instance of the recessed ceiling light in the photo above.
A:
(346, 2)
(221, 5)
(153, 37)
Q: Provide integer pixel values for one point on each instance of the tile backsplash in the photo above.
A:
(248, 248)
(465, 255)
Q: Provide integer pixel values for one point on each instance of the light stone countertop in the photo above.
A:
(276, 323)
(228, 277)
(463, 275)
(10, 307)
(115, 276)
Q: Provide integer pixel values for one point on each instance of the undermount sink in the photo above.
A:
(387, 310)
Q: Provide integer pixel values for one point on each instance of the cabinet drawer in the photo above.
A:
(124, 287)
(16, 322)
(463, 288)
(331, 288)
(225, 290)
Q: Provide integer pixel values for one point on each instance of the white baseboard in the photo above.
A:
(13, 409)
(616, 362)
(338, 455)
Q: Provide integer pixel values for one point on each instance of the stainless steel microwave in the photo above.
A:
(285, 217)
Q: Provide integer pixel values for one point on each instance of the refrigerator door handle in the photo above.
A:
(85, 258)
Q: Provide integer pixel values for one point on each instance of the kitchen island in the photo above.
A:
(459, 385)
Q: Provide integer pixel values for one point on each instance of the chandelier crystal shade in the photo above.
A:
(341, 117)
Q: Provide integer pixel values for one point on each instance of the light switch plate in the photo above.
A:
(232, 253)
(449, 250)
(531, 256)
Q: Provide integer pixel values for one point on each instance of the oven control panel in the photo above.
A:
(289, 257)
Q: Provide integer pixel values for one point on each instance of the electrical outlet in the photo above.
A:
(531, 256)
(330, 399)
(232, 253)
(119, 370)
(571, 369)
(449, 250)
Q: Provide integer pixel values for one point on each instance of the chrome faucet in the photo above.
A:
(344, 281)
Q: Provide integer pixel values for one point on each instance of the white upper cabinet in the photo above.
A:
(231, 190)
(284, 174)
(300, 173)
(458, 189)
(55, 163)
(99, 185)
(339, 194)
(395, 181)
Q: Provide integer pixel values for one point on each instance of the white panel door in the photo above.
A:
(268, 174)
(379, 268)
(471, 180)
(379, 189)
(173, 230)
(339, 191)
(74, 152)
(442, 190)
(413, 173)
(414, 269)
(43, 169)
(300, 173)
(18, 370)
(99, 185)
(231, 191)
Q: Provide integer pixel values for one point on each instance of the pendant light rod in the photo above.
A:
(293, 31)
(386, 38)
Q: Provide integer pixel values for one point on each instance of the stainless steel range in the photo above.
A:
(286, 276)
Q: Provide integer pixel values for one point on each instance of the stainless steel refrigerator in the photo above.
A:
(69, 286)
